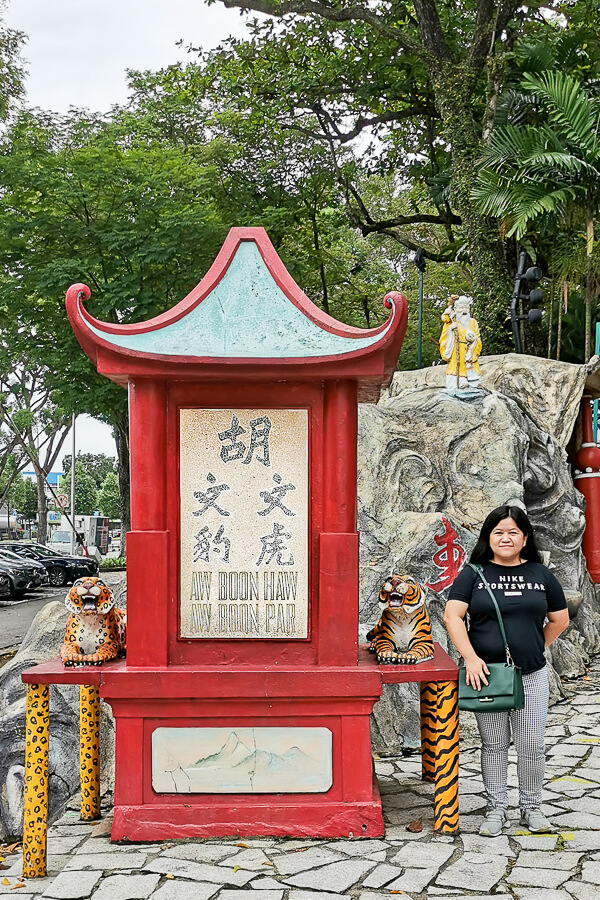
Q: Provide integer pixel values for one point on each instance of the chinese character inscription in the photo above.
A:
(244, 523)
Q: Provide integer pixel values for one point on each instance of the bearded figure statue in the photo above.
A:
(460, 345)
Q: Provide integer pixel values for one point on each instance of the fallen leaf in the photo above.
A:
(242, 845)
(3, 866)
(267, 863)
(169, 876)
(236, 868)
(396, 892)
(5, 881)
(300, 849)
(1, 859)
(417, 825)
(15, 886)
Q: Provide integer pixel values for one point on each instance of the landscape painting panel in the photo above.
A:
(241, 760)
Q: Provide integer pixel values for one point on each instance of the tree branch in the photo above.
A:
(492, 18)
(365, 122)
(360, 12)
(409, 244)
(417, 219)
(431, 30)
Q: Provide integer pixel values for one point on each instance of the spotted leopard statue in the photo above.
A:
(403, 633)
(95, 629)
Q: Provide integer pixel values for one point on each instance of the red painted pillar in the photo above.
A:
(587, 480)
(341, 428)
(147, 542)
(148, 450)
(338, 552)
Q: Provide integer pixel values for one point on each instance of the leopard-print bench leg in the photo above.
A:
(35, 820)
(89, 751)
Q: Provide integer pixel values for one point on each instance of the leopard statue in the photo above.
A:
(403, 633)
(95, 629)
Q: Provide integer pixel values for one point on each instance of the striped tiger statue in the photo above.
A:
(403, 633)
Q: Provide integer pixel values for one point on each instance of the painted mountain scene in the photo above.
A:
(241, 760)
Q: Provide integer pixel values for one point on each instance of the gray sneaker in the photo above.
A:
(535, 821)
(495, 820)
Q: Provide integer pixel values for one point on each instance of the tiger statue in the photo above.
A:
(95, 629)
(403, 633)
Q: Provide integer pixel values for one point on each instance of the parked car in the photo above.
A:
(4, 585)
(62, 569)
(23, 574)
(40, 571)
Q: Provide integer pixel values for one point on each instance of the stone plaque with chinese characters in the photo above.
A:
(244, 523)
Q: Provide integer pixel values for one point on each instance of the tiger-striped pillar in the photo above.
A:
(428, 729)
(35, 821)
(89, 751)
(445, 817)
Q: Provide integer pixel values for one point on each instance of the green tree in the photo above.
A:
(97, 466)
(283, 179)
(108, 497)
(551, 170)
(90, 200)
(30, 417)
(86, 495)
(12, 72)
(410, 90)
(26, 503)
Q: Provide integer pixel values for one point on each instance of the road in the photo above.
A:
(17, 616)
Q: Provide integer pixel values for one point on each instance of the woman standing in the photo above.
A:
(528, 594)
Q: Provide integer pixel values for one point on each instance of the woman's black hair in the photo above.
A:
(482, 552)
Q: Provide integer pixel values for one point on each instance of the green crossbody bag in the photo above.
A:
(504, 689)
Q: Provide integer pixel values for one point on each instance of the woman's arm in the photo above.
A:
(454, 620)
(557, 622)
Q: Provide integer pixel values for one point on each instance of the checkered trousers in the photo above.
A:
(527, 726)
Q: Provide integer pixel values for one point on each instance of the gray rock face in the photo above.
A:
(432, 465)
(41, 642)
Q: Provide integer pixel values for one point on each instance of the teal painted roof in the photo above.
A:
(245, 315)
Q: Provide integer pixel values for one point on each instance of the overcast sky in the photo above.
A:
(78, 50)
(77, 54)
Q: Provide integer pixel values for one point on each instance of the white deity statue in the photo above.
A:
(460, 344)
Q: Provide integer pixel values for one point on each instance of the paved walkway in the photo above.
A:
(84, 864)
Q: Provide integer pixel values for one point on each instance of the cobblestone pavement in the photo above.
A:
(561, 866)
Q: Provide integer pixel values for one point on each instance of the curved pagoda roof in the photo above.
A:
(246, 314)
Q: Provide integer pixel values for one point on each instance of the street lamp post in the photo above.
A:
(73, 535)
(419, 261)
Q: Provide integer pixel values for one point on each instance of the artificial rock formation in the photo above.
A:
(433, 464)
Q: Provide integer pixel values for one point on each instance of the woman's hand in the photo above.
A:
(476, 672)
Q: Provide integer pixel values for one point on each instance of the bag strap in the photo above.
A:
(478, 569)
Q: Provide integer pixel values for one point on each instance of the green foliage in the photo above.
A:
(108, 497)
(97, 466)
(12, 72)
(86, 495)
(547, 175)
(87, 200)
(113, 562)
(533, 170)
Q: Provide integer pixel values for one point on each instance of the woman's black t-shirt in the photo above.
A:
(525, 594)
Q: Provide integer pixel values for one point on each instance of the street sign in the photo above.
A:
(62, 500)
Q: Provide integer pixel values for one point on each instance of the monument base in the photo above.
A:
(279, 818)
(243, 752)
